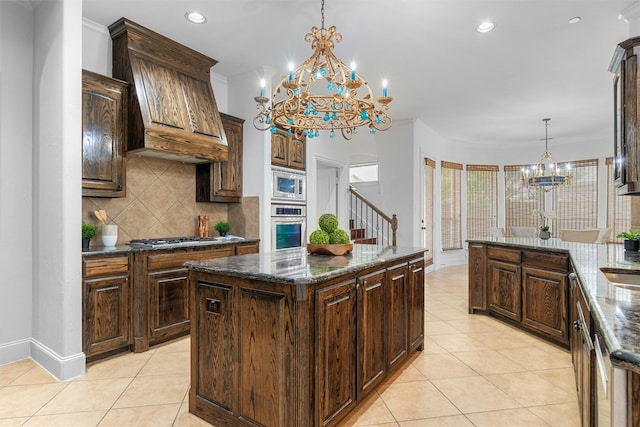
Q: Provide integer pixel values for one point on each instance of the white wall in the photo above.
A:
(16, 104)
(57, 196)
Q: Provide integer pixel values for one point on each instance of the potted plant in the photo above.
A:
(545, 234)
(88, 231)
(631, 239)
(223, 227)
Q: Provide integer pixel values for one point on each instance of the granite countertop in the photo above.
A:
(299, 268)
(120, 249)
(615, 310)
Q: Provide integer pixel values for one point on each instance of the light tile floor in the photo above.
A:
(474, 371)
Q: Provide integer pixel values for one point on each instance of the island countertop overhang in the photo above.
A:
(299, 268)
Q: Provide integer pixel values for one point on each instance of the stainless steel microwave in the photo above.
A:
(288, 185)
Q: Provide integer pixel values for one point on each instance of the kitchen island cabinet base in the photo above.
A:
(276, 353)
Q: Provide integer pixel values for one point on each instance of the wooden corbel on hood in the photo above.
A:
(172, 110)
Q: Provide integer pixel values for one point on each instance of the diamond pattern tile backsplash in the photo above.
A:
(160, 202)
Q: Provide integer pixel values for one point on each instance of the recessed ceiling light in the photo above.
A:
(485, 27)
(574, 20)
(195, 17)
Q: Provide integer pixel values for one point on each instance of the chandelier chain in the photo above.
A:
(322, 13)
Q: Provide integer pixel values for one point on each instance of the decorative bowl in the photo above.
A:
(329, 249)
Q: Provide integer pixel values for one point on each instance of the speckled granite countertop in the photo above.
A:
(616, 311)
(299, 268)
(118, 249)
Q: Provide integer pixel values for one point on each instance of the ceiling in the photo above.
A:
(493, 88)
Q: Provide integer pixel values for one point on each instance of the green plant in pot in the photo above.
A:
(544, 232)
(88, 231)
(631, 239)
(222, 227)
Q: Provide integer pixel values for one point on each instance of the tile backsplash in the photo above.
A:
(160, 202)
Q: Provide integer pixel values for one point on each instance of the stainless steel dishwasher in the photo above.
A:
(611, 390)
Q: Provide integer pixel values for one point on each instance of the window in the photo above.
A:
(451, 229)
(363, 173)
(520, 202)
(618, 207)
(482, 200)
(576, 204)
(427, 235)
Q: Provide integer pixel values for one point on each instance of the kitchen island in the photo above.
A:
(290, 339)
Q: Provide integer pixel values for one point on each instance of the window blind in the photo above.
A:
(618, 207)
(520, 202)
(576, 204)
(429, 176)
(451, 228)
(482, 200)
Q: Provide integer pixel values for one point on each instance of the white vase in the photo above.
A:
(109, 235)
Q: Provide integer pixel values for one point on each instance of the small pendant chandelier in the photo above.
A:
(546, 175)
(322, 94)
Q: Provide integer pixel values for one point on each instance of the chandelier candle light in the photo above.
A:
(322, 94)
(546, 174)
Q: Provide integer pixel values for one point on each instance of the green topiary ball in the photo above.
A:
(328, 222)
(319, 237)
(339, 237)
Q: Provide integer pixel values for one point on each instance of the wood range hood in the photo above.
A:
(172, 112)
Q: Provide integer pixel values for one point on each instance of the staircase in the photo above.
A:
(368, 224)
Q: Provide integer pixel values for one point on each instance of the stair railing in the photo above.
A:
(377, 225)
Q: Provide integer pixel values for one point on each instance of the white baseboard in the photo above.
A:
(63, 368)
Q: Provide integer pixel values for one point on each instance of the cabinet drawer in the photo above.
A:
(106, 267)
(545, 260)
(166, 261)
(503, 254)
(249, 248)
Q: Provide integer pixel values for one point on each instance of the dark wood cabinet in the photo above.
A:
(106, 325)
(583, 353)
(528, 288)
(544, 302)
(287, 150)
(416, 304)
(504, 289)
(247, 248)
(171, 107)
(161, 292)
(337, 332)
(371, 331)
(477, 278)
(222, 181)
(397, 315)
(626, 149)
(103, 135)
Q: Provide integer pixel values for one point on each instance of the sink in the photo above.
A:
(623, 280)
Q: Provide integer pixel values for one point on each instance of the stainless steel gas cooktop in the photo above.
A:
(171, 242)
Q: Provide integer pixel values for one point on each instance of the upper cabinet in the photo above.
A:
(172, 110)
(103, 135)
(624, 65)
(287, 150)
(222, 181)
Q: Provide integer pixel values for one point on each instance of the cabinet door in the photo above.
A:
(544, 302)
(169, 305)
(397, 311)
(213, 377)
(336, 353)
(222, 181)
(504, 289)
(103, 136)
(575, 343)
(371, 331)
(297, 152)
(105, 321)
(279, 148)
(477, 282)
(630, 122)
(248, 248)
(416, 304)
